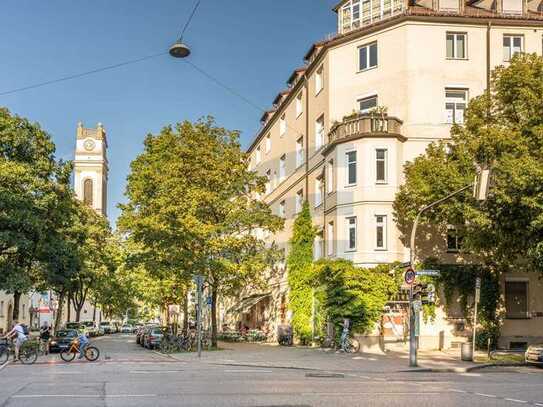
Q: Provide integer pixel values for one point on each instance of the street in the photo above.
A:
(128, 375)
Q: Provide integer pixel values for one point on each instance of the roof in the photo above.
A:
(295, 74)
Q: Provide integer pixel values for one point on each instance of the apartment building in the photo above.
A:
(417, 64)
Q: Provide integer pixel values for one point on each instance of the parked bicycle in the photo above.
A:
(91, 353)
(28, 354)
(174, 343)
(347, 343)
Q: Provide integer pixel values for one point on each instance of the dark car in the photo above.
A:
(62, 339)
(153, 337)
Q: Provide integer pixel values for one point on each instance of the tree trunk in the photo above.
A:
(69, 312)
(186, 312)
(214, 296)
(58, 318)
(94, 314)
(16, 305)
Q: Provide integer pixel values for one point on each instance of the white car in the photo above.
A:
(127, 329)
(90, 328)
(534, 355)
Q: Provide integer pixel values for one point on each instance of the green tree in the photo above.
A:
(34, 194)
(503, 129)
(192, 209)
(300, 276)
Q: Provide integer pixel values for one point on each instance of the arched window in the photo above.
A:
(87, 192)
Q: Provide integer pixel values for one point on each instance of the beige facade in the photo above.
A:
(418, 65)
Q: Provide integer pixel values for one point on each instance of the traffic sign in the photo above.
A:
(209, 300)
(428, 273)
(410, 276)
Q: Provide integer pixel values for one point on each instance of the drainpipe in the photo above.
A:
(489, 25)
(306, 87)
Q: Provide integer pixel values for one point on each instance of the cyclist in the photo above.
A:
(18, 333)
(45, 335)
(83, 343)
(345, 333)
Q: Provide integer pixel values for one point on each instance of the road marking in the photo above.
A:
(516, 401)
(81, 396)
(538, 404)
(248, 371)
(458, 391)
(485, 395)
(154, 371)
(4, 365)
(376, 393)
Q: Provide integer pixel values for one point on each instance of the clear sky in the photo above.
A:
(252, 46)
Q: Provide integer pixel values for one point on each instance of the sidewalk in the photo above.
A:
(266, 355)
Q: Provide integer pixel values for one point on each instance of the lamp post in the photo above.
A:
(480, 191)
(179, 49)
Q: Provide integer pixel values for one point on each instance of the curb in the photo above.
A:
(460, 369)
(267, 366)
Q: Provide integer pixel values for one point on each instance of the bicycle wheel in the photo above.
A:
(92, 353)
(28, 356)
(353, 346)
(4, 355)
(67, 355)
(165, 347)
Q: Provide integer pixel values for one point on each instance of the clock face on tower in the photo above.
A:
(89, 144)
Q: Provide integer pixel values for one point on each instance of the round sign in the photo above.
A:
(410, 276)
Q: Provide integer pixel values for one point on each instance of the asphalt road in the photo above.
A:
(128, 375)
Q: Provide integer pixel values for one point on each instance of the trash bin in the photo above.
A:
(466, 352)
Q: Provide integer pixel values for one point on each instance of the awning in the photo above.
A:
(248, 302)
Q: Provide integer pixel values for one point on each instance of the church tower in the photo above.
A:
(91, 167)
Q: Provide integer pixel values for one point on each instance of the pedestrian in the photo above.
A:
(345, 333)
(45, 336)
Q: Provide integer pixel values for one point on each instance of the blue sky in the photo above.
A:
(252, 46)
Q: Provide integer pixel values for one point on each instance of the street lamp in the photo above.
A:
(480, 187)
(179, 49)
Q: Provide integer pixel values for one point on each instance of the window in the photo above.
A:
(268, 182)
(330, 239)
(330, 177)
(318, 246)
(299, 105)
(456, 45)
(268, 143)
(516, 299)
(367, 56)
(455, 105)
(282, 125)
(282, 209)
(512, 44)
(454, 239)
(299, 200)
(1, 308)
(258, 155)
(367, 103)
(319, 132)
(318, 80)
(381, 166)
(351, 167)
(299, 152)
(88, 192)
(351, 233)
(318, 192)
(381, 232)
(282, 167)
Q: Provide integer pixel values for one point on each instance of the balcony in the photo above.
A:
(366, 125)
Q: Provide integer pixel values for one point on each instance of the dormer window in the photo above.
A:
(357, 13)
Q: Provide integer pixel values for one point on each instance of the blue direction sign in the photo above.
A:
(428, 273)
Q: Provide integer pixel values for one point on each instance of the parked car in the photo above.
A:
(63, 339)
(141, 333)
(107, 327)
(153, 337)
(78, 326)
(90, 328)
(127, 329)
(534, 355)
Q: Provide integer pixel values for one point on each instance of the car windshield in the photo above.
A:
(104, 324)
(66, 334)
(72, 326)
(88, 323)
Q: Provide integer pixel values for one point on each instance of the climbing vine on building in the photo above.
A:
(300, 275)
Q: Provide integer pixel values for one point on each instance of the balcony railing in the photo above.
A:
(365, 124)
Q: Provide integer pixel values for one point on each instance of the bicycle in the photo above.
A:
(28, 354)
(92, 353)
(349, 344)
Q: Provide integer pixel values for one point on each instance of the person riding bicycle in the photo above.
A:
(83, 343)
(45, 336)
(345, 333)
(18, 333)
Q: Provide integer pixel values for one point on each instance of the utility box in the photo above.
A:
(466, 352)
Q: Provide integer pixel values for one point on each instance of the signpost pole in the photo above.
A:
(477, 297)
(199, 283)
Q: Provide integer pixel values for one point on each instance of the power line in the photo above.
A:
(79, 75)
(180, 36)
